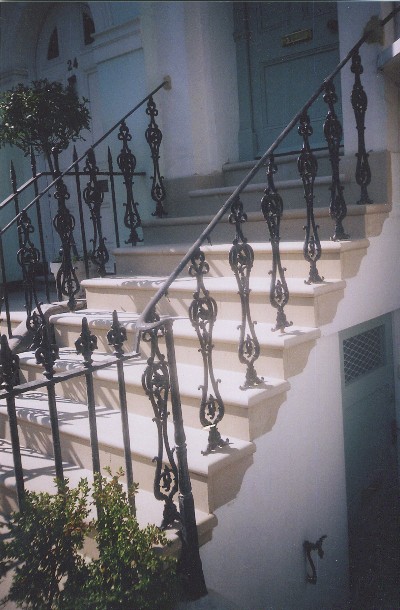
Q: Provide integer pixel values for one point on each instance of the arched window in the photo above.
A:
(52, 49)
(88, 27)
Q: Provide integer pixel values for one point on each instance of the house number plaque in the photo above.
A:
(296, 37)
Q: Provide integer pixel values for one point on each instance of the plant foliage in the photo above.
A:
(45, 547)
(43, 116)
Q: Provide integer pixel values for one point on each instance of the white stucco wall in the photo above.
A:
(192, 42)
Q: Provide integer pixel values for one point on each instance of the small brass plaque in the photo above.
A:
(295, 37)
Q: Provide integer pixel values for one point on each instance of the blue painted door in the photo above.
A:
(291, 48)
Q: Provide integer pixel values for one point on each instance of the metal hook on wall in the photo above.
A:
(309, 547)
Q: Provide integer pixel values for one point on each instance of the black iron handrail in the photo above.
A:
(61, 174)
(144, 322)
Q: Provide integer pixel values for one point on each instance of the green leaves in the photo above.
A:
(46, 543)
(43, 116)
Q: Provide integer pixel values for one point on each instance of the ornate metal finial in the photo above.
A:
(116, 336)
(309, 547)
(86, 343)
(47, 352)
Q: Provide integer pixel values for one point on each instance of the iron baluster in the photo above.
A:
(203, 314)
(28, 257)
(93, 197)
(64, 223)
(241, 258)
(40, 227)
(116, 337)
(189, 561)
(359, 102)
(85, 345)
(333, 135)
(154, 137)
(13, 177)
(272, 209)
(308, 166)
(113, 199)
(46, 354)
(9, 378)
(80, 208)
(126, 161)
(156, 384)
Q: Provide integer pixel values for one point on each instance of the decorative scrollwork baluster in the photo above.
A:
(241, 258)
(333, 134)
(126, 161)
(93, 197)
(154, 137)
(272, 209)
(203, 314)
(359, 101)
(308, 166)
(64, 223)
(28, 257)
(156, 384)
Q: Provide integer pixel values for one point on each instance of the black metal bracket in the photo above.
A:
(308, 548)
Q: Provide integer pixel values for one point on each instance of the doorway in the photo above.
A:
(284, 51)
(370, 434)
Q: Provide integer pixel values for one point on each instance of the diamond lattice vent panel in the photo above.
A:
(363, 353)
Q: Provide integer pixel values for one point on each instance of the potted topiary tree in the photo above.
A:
(44, 116)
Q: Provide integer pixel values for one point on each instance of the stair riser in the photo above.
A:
(357, 225)
(129, 263)
(292, 197)
(237, 422)
(279, 363)
(301, 310)
(287, 170)
(78, 452)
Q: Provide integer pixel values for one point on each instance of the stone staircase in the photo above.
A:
(217, 477)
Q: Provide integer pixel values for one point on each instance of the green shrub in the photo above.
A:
(45, 547)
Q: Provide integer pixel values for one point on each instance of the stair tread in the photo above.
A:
(258, 285)
(224, 330)
(260, 186)
(73, 421)
(258, 247)
(190, 377)
(39, 475)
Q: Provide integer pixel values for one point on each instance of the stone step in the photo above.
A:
(215, 477)
(338, 259)
(209, 201)
(39, 476)
(361, 221)
(309, 305)
(234, 173)
(282, 355)
(248, 414)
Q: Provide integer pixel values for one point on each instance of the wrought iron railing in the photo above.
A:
(90, 197)
(160, 378)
